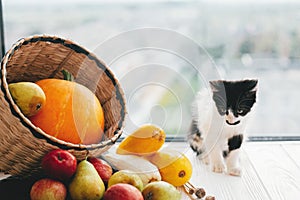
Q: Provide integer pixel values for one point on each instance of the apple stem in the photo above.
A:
(59, 157)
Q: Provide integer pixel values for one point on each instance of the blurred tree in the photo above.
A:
(295, 46)
(246, 47)
(216, 52)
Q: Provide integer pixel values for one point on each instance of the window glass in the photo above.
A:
(163, 52)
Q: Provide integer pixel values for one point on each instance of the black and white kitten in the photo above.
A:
(219, 117)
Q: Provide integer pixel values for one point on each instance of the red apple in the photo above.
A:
(48, 189)
(122, 191)
(103, 168)
(59, 164)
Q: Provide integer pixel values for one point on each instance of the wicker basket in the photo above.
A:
(22, 145)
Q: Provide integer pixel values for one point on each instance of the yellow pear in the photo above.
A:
(126, 176)
(160, 190)
(29, 97)
(86, 183)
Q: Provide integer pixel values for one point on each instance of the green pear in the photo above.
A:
(126, 176)
(160, 190)
(29, 97)
(86, 183)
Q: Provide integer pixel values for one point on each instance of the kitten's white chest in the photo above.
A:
(231, 130)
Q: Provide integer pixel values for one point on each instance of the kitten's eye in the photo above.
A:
(240, 111)
(223, 110)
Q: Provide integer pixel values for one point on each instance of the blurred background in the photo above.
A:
(164, 51)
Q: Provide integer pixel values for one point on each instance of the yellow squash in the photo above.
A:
(145, 140)
(174, 167)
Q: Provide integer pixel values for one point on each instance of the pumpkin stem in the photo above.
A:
(67, 75)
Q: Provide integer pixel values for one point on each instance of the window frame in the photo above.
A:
(249, 139)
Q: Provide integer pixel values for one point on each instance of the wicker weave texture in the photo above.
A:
(22, 145)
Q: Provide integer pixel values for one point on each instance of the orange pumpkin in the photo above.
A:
(72, 112)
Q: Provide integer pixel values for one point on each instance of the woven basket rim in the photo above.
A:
(79, 49)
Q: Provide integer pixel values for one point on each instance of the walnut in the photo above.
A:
(210, 198)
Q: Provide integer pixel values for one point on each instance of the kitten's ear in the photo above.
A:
(216, 85)
(252, 84)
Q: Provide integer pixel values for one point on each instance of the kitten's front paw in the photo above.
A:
(218, 167)
(205, 159)
(236, 171)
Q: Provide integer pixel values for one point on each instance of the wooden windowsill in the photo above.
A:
(271, 171)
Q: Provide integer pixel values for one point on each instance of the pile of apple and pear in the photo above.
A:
(65, 178)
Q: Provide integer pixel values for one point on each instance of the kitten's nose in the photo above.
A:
(230, 117)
